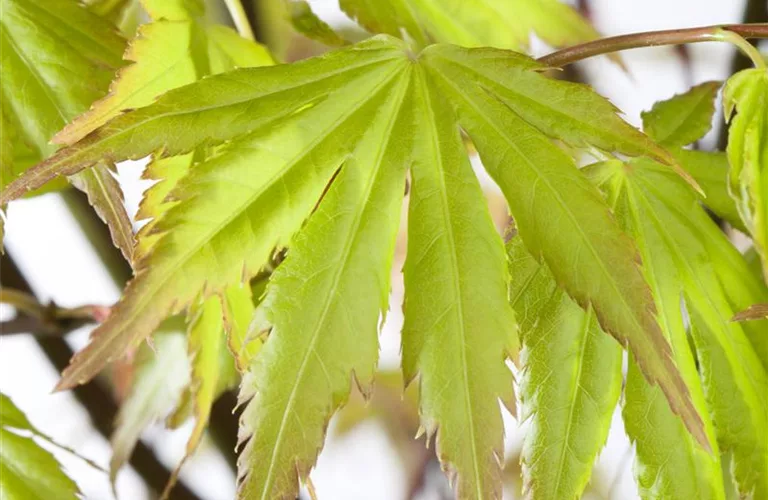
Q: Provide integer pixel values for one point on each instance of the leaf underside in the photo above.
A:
(569, 385)
(43, 45)
(290, 135)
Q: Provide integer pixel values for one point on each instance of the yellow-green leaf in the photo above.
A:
(27, 471)
(747, 93)
(56, 58)
(569, 384)
(324, 303)
(458, 323)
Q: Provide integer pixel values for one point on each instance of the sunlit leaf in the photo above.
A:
(56, 58)
(26, 469)
(459, 327)
(663, 215)
(570, 382)
(747, 94)
(473, 23)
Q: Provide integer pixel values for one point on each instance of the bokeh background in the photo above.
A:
(370, 453)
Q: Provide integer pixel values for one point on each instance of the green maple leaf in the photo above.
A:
(569, 384)
(747, 93)
(691, 266)
(346, 119)
(682, 120)
(505, 24)
(663, 215)
(44, 45)
(26, 469)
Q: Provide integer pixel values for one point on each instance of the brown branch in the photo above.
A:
(45, 320)
(651, 39)
(98, 402)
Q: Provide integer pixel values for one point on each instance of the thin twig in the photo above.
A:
(45, 320)
(98, 402)
(651, 39)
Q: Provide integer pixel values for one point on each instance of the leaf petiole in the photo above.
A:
(743, 45)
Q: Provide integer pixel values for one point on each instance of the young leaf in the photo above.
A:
(670, 463)
(747, 93)
(663, 215)
(325, 301)
(238, 309)
(710, 170)
(160, 376)
(473, 23)
(26, 469)
(190, 52)
(683, 119)
(43, 44)
(459, 328)
(236, 207)
(570, 382)
(212, 372)
(560, 216)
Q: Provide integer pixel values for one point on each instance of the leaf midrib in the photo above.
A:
(331, 295)
(204, 239)
(447, 217)
(574, 393)
(563, 204)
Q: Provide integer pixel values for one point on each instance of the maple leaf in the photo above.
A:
(747, 93)
(473, 23)
(43, 44)
(28, 470)
(684, 257)
(570, 381)
(339, 129)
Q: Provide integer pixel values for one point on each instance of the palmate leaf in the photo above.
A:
(690, 265)
(686, 118)
(569, 385)
(325, 301)
(665, 219)
(670, 463)
(27, 471)
(292, 129)
(747, 93)
(505, 24)
(459, 327)
(56, 58)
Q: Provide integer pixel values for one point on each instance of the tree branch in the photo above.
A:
(97, 401)
(653, 39)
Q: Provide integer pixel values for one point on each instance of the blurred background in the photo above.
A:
(57, 250)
